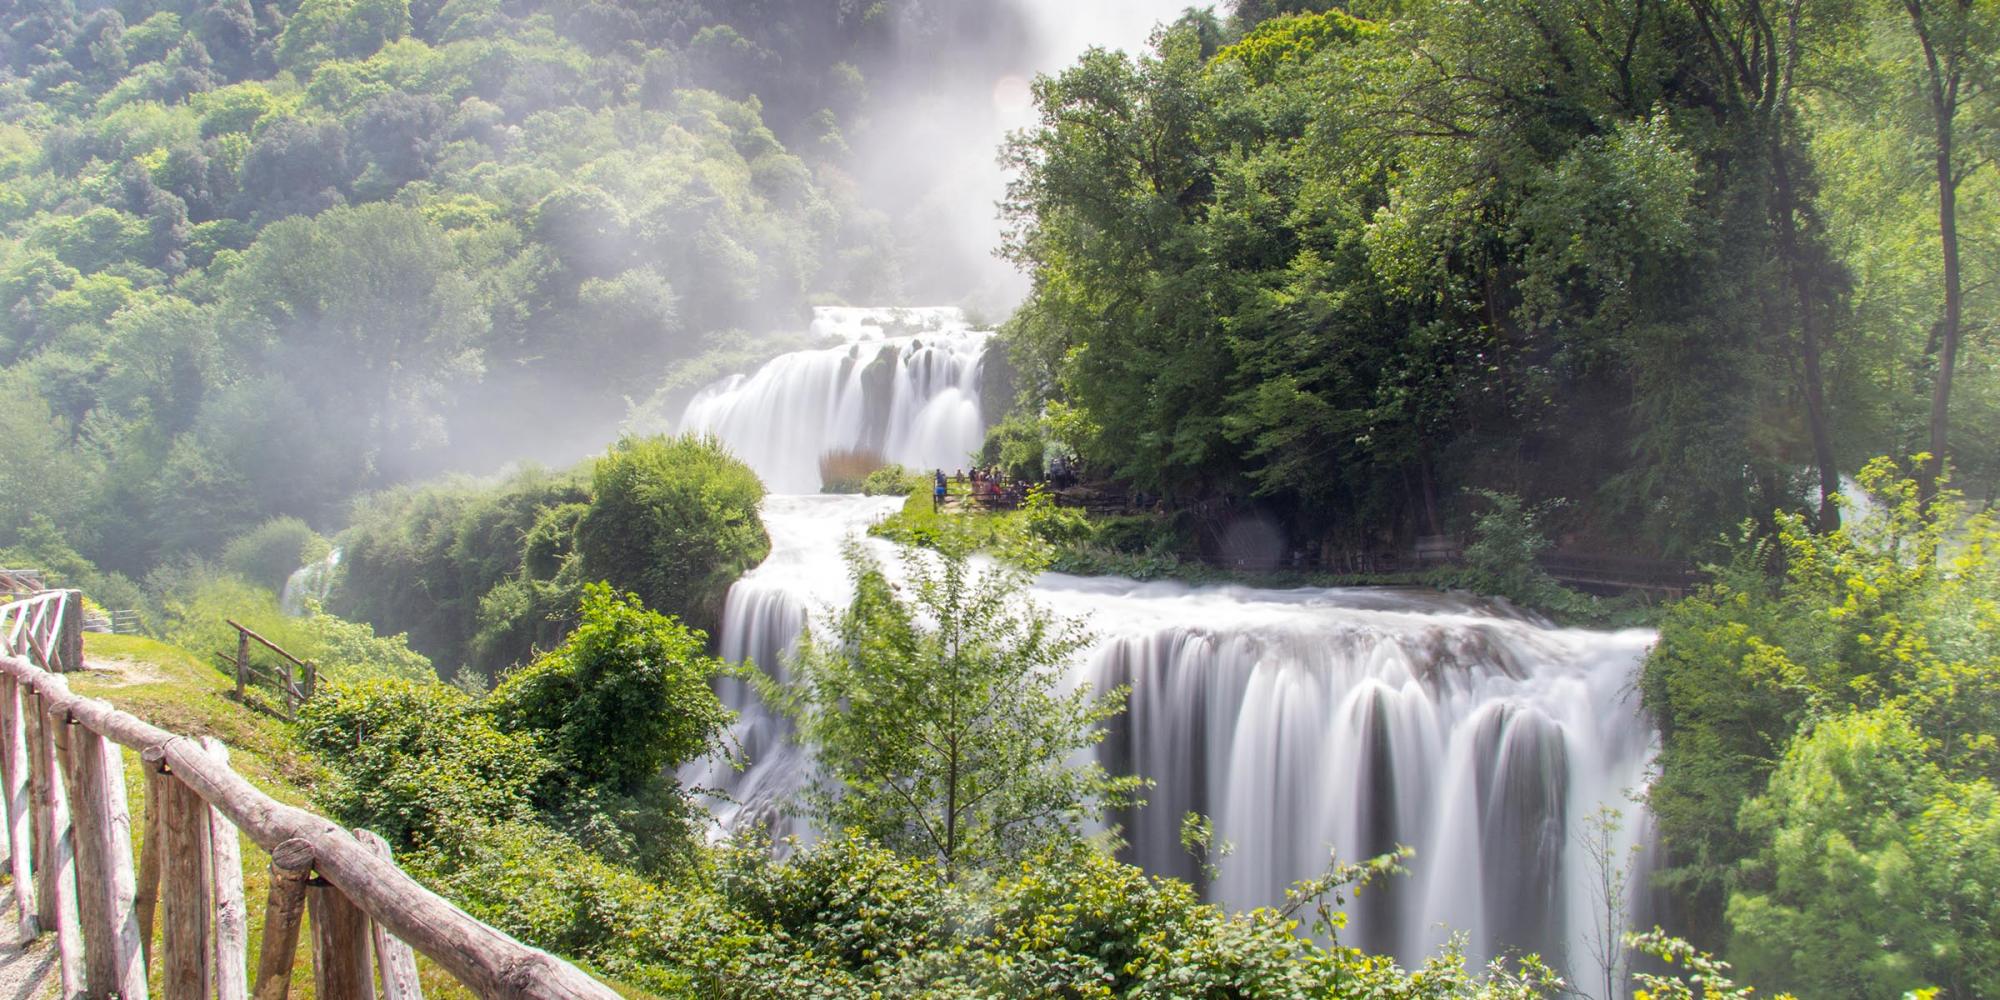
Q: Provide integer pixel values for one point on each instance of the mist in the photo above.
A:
(930, 158)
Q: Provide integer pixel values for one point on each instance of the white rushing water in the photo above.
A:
(1302, 721)
(311, 581)
(899, 383)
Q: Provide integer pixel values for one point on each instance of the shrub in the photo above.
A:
(417, 762)
(624, 697)
(674, 520)
(268, 554)
(892, 481)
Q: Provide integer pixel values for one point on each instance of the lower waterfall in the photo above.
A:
(1302, 721)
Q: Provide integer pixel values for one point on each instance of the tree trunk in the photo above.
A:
(1799, 269)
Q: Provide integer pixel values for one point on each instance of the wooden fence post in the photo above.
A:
(291, 863)
(394, 959)
(187, 972)
(242, 661)
(60, 876)
(147, 898)
(69, 641)
(43, 851)
(19, 808)
(107, 889)
(232, 928)
(342, 969)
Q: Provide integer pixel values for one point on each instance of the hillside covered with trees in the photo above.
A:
(257, 258)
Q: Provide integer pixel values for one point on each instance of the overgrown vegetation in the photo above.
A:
(1829, 758)
(481, 576)
(1682, 265)
(259, 256)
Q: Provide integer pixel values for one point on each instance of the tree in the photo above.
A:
(937, 707)
(1959, 84)
(624, 699)
(674, 520)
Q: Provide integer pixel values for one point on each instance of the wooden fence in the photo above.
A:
(293, 679)
(69, 835)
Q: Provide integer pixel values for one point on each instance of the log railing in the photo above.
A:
(47, 628)
(69, 835)
(294, 679)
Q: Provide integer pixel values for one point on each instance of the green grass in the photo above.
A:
(172, 689)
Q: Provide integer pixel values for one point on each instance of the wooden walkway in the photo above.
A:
(69, 834)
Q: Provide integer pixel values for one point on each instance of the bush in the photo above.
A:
(674, 520)
(268, 554)
(417, 762)
(892, 481)
(625, 696)
(424, 560)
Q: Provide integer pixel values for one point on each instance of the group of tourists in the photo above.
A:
(986, 485)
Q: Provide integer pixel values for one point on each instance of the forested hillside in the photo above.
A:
(1678, 265)
(258, 257)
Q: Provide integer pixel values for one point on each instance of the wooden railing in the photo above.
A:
(47, 628)
(70, 845)
(294, 679)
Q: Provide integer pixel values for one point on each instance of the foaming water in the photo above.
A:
(900, 383)
(1301, 721)
(311, 581)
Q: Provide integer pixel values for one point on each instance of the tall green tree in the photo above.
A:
(938, 708)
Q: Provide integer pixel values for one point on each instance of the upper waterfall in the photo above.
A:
(902, 384)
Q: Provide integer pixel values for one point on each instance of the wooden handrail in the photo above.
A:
(486, 959)
(268, 644)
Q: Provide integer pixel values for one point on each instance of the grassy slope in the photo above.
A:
(174, 690)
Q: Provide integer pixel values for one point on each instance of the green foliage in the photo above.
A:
(1361, 269)
(1502, 560)
(1291, 39)
(432, 561)
(1828, 751)
(673, 520)
(417, 762)
(1875, 872)
(624, 698)
(268, 554)
(935, 708)
(892, 481)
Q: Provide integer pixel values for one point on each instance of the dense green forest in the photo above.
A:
(1676, 265)
(1615, 274)
(260, 257)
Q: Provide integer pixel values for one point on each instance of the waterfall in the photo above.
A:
(313, 580)
(1301, 721)
(899, 383)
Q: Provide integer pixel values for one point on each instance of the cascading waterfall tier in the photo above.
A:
(1303, 722)
(311, 581)
(899, 383)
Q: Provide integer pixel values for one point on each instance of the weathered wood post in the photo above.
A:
(150, 846)
(38, 808)
(232, 927)
(19, 809)
(187, 970)
(342, 969)
(69, 640)
(113, 960)
(393, 959)
(242, 661)
(284, 910)
(60, 875)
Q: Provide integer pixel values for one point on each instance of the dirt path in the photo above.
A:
(26, 972)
